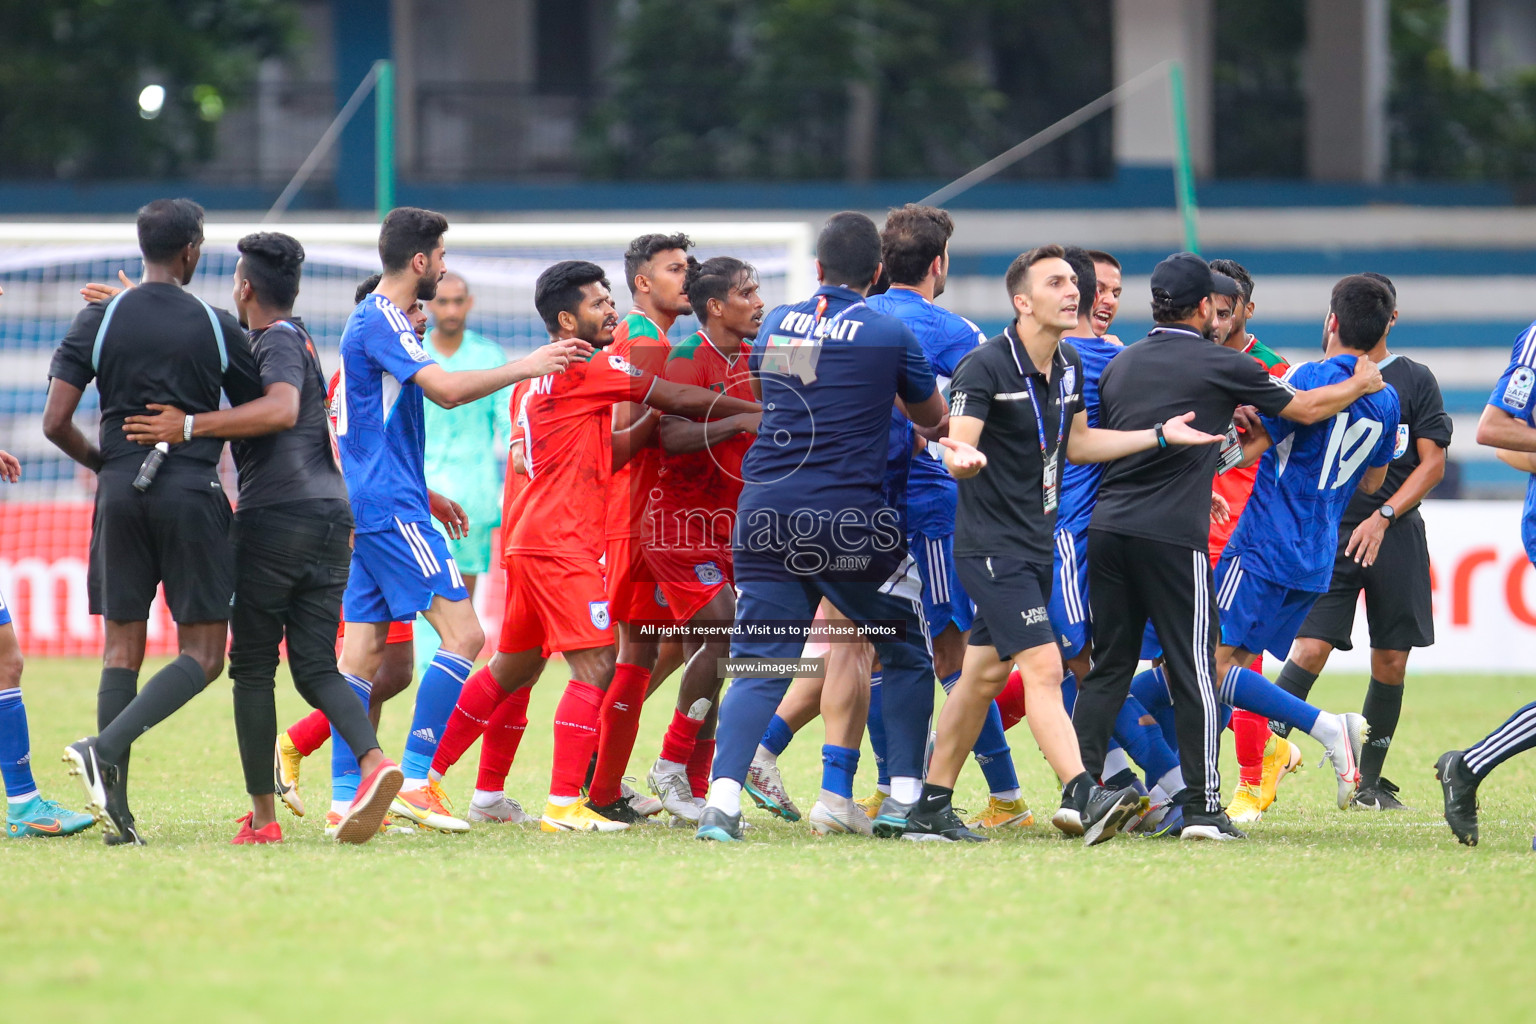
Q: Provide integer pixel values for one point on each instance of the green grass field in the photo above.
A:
(1320, 915)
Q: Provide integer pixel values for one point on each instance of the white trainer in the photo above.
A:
(505, 811)
(841, 815)
(676, 794)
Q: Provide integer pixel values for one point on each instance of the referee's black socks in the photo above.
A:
(117, 689)
(165, 693)
(1297, 682)
(1383, 705)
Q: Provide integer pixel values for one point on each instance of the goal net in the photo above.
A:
(45, 519)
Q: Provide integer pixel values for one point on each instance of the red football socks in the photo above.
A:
(1011, 701)
(477, 702)
(309, 733)
(502, 735)
(619, 724)
(576, 719)
(1250, 733)
(698, 766)
(681, 736)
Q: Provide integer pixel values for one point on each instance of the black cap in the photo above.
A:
(1185, 278)
(1221, 284)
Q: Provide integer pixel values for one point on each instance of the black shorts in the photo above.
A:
(1011, 596)
(1398, 605)
(177, 533)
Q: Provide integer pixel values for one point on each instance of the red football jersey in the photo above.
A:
(515, 481)
(568, 444)
(1236, 484)
(639, 340)
(702, 487)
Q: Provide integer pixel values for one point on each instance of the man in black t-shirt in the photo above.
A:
(1384, 551)
(155, 343)
(293, 541)
(1016, 411)
(1147, 540)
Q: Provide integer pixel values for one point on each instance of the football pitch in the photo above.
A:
(1321, 915)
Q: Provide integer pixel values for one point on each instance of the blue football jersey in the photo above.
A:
(1080, 484)
(830, 368)
(1289, 532)
(380, 427)
(919, 485)
(1514, 394)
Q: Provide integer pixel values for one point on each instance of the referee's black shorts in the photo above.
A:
(177, 533)
(1011, 595)
(1398, 601)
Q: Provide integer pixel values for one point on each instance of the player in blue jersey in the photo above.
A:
(915, 248)
(1280, 559)
(1508, 424)
(810, 521)
(400, 563)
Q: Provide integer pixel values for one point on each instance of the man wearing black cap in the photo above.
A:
(1147, 538)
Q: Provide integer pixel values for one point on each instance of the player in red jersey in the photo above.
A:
(1259, 752)
(309, 733)
(656, 270)
(556, 593)
(686, 534)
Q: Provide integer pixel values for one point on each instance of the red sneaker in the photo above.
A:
(374, 795)
(248, 836)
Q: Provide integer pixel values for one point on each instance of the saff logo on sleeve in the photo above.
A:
(1402, 441)
(413, 347)
(599, 612)
(624, 365)
(708, 573)
(1517, 393)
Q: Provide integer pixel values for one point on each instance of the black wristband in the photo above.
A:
(1162, 442)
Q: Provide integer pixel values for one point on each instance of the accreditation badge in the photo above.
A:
(1050, 480)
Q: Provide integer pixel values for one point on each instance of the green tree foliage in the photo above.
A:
(1449, 123)
(762, 88)
(71, 72)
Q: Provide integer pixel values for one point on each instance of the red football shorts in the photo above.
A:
(399, 632)
(554, 603)
(690, 579)
(632, 592)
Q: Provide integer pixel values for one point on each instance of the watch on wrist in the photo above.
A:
(186, 428)
(1388, 513)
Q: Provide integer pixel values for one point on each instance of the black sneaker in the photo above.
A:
(1460, 790)
(942, 825)
(1381, 796)
(1107, 810)
(619, 810)
(1216, 827)
(96, 778)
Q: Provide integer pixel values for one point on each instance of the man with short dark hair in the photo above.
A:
(556, 600)
(915, 246)
(1016, 413)
(293, 541)
(1383, 550)
(810, 522)
(656, 272)
(152, 344)
(400, 562)
(1148, 534)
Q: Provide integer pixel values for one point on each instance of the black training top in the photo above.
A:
(296, 464)
(159, 346)
(1165, 494)
(1423, 416)
(1001, 509)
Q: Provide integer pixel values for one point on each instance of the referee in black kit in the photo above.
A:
(1148, 536)
(155, 343)
(293, 545)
